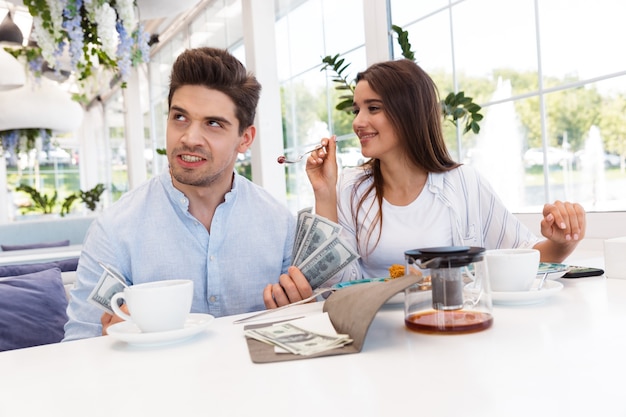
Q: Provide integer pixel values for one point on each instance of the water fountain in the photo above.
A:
(498, 151)
(592, 167)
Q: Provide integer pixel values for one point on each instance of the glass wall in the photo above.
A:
(552, 89)
(308, 94)
(551, 86)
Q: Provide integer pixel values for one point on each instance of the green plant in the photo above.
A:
(67, 204)
(92, 197)
(46, 204)
(41, 202)
(457, 108)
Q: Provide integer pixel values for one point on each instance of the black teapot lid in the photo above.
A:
(446, 256)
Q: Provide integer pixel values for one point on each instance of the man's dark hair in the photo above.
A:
(219, 70)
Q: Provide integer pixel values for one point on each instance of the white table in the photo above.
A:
(27, 256)
(565, 357)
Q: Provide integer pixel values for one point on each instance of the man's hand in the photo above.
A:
(108, 320)
(291, 287)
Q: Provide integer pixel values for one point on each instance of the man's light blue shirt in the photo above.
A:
(150, 235)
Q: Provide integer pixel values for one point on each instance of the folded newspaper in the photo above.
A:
(318, 251)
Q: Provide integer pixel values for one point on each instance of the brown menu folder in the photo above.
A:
(351, 311)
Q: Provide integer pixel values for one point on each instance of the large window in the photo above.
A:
(553, 91)
(552, 87)
(308, 95)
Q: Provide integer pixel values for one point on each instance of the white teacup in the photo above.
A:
(156, 306)
(512, 269)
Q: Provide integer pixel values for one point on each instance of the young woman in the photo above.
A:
(411, 194)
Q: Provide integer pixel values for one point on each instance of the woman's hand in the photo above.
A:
(563, 222)
(321, 168)
(564, 226)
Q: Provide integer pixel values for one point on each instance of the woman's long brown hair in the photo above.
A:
(411, 103)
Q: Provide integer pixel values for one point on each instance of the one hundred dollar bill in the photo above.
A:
(297, 340)
(109, 284)
(319, 232)
(305, 217)
(327, 260)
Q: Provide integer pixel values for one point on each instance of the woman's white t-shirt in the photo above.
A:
(456, 207)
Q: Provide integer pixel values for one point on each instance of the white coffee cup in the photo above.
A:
(512, 269)
(156, 306)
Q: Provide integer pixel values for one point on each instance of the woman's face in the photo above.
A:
(371, 125)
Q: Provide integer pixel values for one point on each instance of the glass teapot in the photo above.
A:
(453, 294)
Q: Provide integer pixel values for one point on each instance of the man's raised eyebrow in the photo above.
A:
(212, 118)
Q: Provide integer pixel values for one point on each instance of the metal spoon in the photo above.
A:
(283, 160)
(316, 293)
(545, 275)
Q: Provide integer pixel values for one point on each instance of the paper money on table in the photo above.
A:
(297, 340)
(318, 250)
(109, 284)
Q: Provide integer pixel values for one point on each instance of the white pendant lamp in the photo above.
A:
(12, 72)
(42, 105)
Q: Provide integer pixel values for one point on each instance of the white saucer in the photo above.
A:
(128, 332)
(532, 296)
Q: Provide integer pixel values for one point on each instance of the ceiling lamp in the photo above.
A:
(12, 72)
(10, 32)
(42, 105)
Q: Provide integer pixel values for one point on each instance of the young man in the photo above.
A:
(199, 220)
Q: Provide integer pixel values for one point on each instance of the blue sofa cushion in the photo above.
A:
(36, 245)
(32, 309)
(65, 265)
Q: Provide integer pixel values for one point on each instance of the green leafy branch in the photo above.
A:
(457, 108)
(41, 202)
(92, 197)
(340, 80)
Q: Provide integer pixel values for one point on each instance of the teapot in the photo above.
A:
(453, 294)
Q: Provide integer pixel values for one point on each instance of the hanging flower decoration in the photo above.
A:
(94, 33)
(18, 140)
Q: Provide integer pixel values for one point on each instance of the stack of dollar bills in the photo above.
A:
(318, 251)
(290, 338)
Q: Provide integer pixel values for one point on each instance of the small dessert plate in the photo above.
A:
(532, 296)
(128, 332)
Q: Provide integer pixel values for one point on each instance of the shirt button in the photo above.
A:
(212, 299)
(211, 258)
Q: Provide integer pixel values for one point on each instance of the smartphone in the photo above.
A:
(582, 271)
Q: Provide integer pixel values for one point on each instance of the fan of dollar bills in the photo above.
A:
(318, 251)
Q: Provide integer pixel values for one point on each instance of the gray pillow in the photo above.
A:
(36, 245)
(32, 309)
(65, 265)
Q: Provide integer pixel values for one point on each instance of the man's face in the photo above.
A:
(203, 137)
